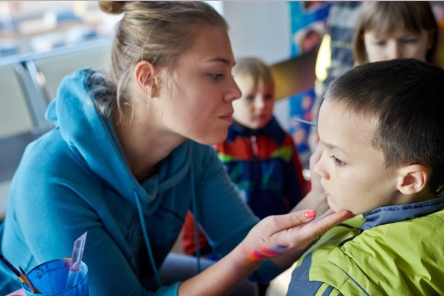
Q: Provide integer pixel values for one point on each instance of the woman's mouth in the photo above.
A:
(228, 117)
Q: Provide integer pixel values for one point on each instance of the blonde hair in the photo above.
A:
(385, 17)
(154, 31)
(254, 68)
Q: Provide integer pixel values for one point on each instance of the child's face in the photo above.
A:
(353, 173)
(255, 107)
(400, 44)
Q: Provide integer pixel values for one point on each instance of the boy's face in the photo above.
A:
(353, 173)
(255, 107)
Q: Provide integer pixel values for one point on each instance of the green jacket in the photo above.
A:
(395, 250)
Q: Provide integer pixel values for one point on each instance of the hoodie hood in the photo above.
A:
(91, 137)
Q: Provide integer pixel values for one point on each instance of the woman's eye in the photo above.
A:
(337, 161)
(217, 76)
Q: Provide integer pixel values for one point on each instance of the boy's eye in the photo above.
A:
(250, 97)
(268, 97)
(217, 76)
(337, 161)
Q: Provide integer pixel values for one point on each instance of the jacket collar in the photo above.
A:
(271, 130)
(398, 213)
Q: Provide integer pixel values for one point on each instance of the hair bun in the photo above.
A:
(113, 7)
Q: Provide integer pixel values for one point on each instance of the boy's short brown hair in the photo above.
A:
(406, 98)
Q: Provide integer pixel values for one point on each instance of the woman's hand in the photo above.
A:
(288, 234)
(20, 292)
(293, 232)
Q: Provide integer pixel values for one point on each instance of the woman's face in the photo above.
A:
(401, 44)
(197, 104)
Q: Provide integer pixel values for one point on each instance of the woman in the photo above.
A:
(128, 157)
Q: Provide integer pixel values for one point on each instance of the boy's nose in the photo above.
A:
(259, 102)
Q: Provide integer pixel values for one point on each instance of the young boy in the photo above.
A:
(381, 126)
(259, 155)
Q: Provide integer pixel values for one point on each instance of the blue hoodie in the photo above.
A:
(75, 179)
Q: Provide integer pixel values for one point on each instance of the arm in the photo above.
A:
(296, 162)
(295, 187)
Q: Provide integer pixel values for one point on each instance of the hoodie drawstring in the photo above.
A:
(147, 241)
(196, 232)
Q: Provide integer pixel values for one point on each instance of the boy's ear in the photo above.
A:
(145, 77)
(413, 178)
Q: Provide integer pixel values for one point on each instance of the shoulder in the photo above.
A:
(48, 163)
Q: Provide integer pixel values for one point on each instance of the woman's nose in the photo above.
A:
(234, 92)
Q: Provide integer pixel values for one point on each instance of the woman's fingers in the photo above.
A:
(327, 213)
(283, 222)
(326, 222)
(294, 230)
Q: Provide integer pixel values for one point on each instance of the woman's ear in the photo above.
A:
(413, 179)
(145, 78)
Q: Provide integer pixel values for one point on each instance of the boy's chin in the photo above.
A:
(335, 207)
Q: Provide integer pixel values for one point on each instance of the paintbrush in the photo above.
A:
(13, 269)
(304, 121)
(34, 290)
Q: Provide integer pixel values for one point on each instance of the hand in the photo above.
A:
(20, 292)
(276, 235)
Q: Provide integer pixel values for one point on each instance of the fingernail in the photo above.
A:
(310, 214)
(346, 214)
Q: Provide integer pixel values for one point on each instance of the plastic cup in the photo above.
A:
(50, 278)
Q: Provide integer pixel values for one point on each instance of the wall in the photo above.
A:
(262, 29)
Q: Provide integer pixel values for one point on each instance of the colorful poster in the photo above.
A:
(307, 29)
